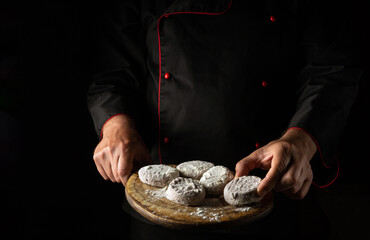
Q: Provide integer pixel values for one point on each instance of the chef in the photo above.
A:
(245, 84)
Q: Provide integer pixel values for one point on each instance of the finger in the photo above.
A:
(306, 184)
(260, 158)
(108, 170)
(244, 166)
(101, 171)
(114, 164)
(102, 159)
(97, 159)
(274, 175)
(125, 164)
(305, 188)
(292, 179)
(301, 193)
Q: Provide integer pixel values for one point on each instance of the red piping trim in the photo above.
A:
(335, 178)
(101, 131)
(322, 159)
(160, 66)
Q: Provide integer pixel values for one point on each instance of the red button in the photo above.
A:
(258, 145)
(166, 75)
(264, 84)
(166, 140)
(272, 18)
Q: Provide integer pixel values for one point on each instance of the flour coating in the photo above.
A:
(158, 175)
(215, 179)
(194, 169)
(185, 191)
(242, 190)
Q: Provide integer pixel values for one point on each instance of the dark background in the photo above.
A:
(49, 185)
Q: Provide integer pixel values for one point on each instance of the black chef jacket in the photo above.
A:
(214, 79)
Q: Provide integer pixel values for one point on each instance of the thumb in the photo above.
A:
(247, 164)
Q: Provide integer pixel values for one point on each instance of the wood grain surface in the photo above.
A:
(213, 213)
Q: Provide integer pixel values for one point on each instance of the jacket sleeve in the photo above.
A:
(329, 81)
(118, 81)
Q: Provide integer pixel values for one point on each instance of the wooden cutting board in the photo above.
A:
(213, 213)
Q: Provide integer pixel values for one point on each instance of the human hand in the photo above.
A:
(287, 161)
(120, 150)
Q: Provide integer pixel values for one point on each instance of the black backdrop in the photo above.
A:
(49, 184)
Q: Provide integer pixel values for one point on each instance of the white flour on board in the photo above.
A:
(209, 210)
(160, 193)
